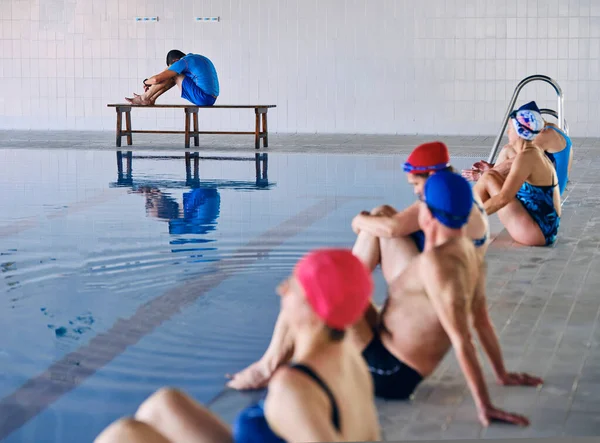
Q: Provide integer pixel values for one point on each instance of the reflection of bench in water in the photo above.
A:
(192, 173)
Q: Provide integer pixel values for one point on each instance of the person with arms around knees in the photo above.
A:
(324, 395)
(391, 238)
(527, 200)
(557, 145)
(430, 308)
(194, 74)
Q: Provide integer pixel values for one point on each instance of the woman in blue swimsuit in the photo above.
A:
(325, 395)
(557, 145)
(528, 198)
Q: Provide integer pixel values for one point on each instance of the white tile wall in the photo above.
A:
(367, 66)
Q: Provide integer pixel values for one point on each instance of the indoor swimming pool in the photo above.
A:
(124, 272)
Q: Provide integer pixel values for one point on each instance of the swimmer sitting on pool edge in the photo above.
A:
(527, 200)
(552, 140)
(393, 238)
(430, 308)
(324, 395)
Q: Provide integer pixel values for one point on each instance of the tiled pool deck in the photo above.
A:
(545, 302)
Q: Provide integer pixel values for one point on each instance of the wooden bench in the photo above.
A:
(259, 132)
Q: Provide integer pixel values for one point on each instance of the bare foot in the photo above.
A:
(255, 376)
(138, 100)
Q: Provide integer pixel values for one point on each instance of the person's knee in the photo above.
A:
(383, 209)
(491, 175)
(163, 400)
(121, 430)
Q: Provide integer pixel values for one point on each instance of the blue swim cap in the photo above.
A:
(449, 198)
(528, 121)
(531, 106)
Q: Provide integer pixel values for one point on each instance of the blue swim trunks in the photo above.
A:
(191, 92)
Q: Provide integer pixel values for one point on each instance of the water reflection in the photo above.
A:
(199, 209)
(192, 173)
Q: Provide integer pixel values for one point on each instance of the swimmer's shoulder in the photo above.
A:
(287, 386)
(453, 256)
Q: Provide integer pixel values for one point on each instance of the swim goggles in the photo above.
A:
(421, 169)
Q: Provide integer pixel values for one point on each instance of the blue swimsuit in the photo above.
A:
(560, 160)
(539, 203)
(251, 424)
(419, 236)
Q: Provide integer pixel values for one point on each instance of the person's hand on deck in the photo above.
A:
(520, 379)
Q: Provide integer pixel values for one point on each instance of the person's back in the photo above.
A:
(201, 70)
(343, 370)
(558, 147)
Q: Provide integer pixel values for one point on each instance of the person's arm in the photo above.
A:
(485, 329)
(519, 172)
(503, 167)
(489, 339)
(172, 71)
(446, 290)
(398, 225)
(159, 78)
(292, 411)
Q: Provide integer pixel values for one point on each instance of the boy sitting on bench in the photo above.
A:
(195, 75)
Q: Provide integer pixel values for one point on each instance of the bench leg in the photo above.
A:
(129, 159)
(265, 130)
(119, 127)
(120, 163)
(128, 126)
(196, 136)
(188, 166)
(187, 128)
(257, 131)
(196, 165)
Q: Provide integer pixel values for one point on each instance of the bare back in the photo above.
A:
(412, 328)
(344, 371)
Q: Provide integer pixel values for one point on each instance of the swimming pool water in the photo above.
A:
(118, 280)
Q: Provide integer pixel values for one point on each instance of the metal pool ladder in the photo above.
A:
(562, 124)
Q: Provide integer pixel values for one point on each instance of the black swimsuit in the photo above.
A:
(251, 425)
(393, 379)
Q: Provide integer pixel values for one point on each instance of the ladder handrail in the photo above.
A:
(513, 100)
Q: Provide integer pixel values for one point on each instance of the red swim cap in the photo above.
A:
(428, 157)
(337, 285)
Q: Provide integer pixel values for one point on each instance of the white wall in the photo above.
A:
(368, 66)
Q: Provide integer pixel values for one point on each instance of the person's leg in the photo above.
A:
(181, 419)
(393, 254)
(192, 93)
(130, 431)
(279, 352)
(149, 97)
(366, 249)
(396, 254)
(515, 218)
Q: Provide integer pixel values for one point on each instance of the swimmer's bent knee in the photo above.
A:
(382, 209)
(164, 399)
